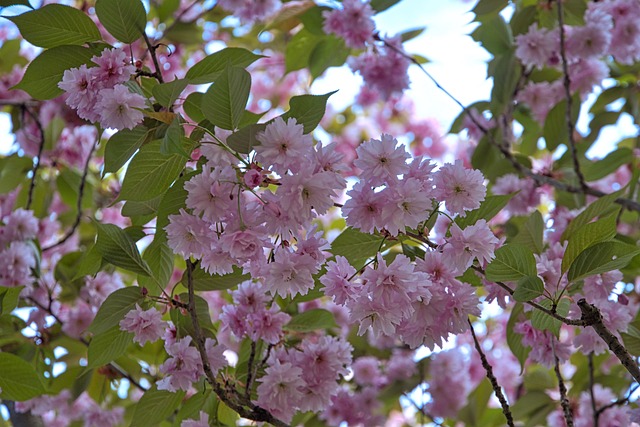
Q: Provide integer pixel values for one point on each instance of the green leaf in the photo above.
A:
(594, 171)
(330, 52)
(174, 141)
(299, 48)
(192, 107)
(156, 406)
(588, 235)
(531, 234)
(119, 249)
(512, 263)
(514, 339)
(311, 320)
(108, 346)
(308, 110)
(381, 5)
(45, 71)
(150, 173)
(224, 102)
(226, 415)
(412, 34)
(68, 182)
(159, 258)
(494, 35)
(13, 170)
(485, 7)
(182, 320)
(10, 56)
(356, 246)
(7, 3)
(115, 307)
(487, 210)
(602, 205)
(244, 139)
(9, 298)
(146, 207)
(505, 69)
(555, 125)
(124, 19)
(600, 258)
(208, 70)
(56, 25)
(121, 147)
(531, 403)
(542, 321)
(167, 93)
(203, 281)
(19, 381)
(529, 288)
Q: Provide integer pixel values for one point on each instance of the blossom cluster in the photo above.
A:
(18, 257)
(611, 29)
(99, 95)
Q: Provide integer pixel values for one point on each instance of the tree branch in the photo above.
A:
(492, 378)
(76, 222)
(152, 51)
(244, 407)
(567, 92)
(591, 392)
(592, 317)
(32, 185)
(566, 408)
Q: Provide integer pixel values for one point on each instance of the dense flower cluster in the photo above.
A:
(98, 93)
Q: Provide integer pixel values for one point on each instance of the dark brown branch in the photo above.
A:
(566, 408)
(592, 317)
(591, 392)
(567, 92)
(618, 402)
(76, 222)
(244, 407)
(252, 356)
(152, 51)
(32, 185)
(492, 378)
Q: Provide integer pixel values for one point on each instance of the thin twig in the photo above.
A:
(32, 185)
(152, 51)
(492, 378)
(252, 356)
(76, 222)
(566, 408)
(620, 401)
(567, 91)
(591, 393)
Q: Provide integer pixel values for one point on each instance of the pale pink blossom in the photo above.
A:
(353, 23)
(283, 146)
(119, 108)
(146, 325)
(336, 280)
(280, 389)
(113, 67)
(364, 208)
(460, 188)
(381, 160)
(203, 421)
(474, 242)
(188, 235)
(183, 368)
(536, 47)
(19, 225)
(251, 11)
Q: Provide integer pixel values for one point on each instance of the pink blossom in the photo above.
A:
(183, 368)
(98, 288)
(77, 319)
(304, 192)
(381, 160)
(461, 189)
(112, 67)
(366, 371)
(279, 389)
(408, 205)
(75, 144)
(541, 98)
(450, 383)
(250, 11)
(536, 46)
(82, 90)
(353, 23)
(209, 193)
(585, 74)
(290, 274)
(146, 325)
(364, 208)
(245, 244)
(19, 225)
(474, 242)
(283, 146)
(336, 280)
(252, 178)
(215, 355)
(119, 108)
(527, 198)
(188, 235)
(383, 69)
(18, 260)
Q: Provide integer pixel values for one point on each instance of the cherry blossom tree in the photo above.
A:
(191, 236)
